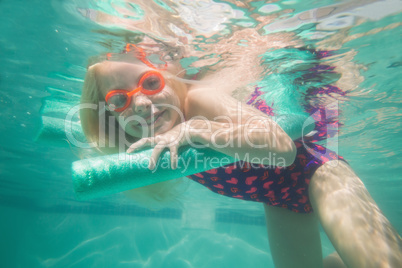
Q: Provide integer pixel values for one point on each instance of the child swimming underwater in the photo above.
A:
(298, 190)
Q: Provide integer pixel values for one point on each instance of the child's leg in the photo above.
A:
(294, 238)
(359, 231)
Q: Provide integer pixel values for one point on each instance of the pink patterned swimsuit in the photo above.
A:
(282, 187)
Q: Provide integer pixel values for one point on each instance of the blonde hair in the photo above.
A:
(153, 196)
(89, 116)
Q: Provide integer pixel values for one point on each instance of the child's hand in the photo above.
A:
(172, 140)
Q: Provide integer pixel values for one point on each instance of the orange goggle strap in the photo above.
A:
(142, 56)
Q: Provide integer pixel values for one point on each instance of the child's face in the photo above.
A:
(146, 115)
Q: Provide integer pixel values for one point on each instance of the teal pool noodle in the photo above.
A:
(105, 175)
(58, 131)
(295, 125)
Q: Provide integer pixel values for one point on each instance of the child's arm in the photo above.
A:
(225, 125)
(237, 129)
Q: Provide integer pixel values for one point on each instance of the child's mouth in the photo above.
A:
(150, 120)
(154, 118)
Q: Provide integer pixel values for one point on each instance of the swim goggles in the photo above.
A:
(150, 83)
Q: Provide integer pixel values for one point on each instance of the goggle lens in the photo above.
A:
(117, 101)
(152, 82)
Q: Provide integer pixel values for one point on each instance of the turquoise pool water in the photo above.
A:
(45, 46)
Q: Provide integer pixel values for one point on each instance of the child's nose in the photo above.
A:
(141, 103)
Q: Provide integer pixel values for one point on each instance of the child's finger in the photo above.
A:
(156, 154)
(139, 145)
